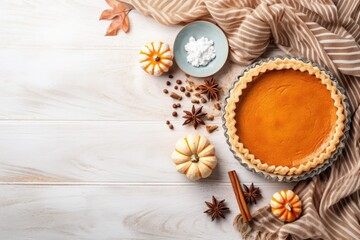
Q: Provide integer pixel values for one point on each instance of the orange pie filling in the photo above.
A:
(280, 122)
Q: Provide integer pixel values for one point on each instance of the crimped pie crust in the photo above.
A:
(280, 64)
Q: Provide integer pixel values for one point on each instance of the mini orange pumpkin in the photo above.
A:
(156, 58)
(286, 205)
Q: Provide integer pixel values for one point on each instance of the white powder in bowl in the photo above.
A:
(200, 52)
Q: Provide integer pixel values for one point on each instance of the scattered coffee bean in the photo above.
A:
(217, 106)
(171, 126)
(188, 94)
(176, 87)
(174, 114)
(171, 76)
(178, 81)
(168, 83)
(182, 89)
(165, 91)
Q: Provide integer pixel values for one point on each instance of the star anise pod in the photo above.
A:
(211, 89)
(195, 117)
(251, 194)
(216, 209)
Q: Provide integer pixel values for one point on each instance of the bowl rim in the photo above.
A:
(221, 32)
(315, 171)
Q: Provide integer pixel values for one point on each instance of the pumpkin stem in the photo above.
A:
(157, 58)
(289, 207)
(194, 158)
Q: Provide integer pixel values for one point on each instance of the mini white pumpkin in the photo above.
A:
(194, 156)
(156, 58)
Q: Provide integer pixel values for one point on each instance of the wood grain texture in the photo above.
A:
(68, 24)
(117, 212)
(84, 149)
(102, 151)
(59, 66)
(63, 84)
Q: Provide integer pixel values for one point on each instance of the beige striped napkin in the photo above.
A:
(327, 32)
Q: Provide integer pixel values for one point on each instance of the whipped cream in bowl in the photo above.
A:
(200, 52)
(201, 49)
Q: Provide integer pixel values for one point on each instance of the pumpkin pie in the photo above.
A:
(284, 117)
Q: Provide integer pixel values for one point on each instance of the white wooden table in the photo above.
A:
(84, 148)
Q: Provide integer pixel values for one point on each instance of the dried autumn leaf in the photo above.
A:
(119, 15)
(113, 3)
(125, 24)
(114, 27)
(108, 14)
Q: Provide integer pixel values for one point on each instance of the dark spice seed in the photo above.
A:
(167, 122)
(178, 105)
(217, 106)
(178, 81)
(187, 94)
(174, 105)
(182, 89)
(171, 126)
(174, 114)
(203, 100)
(176, 87)
(168, 83)
(171, 76)
(165, 91)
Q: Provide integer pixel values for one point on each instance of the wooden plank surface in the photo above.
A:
(117, 211)
(57, 65)
(84, 150)
(78, 84)
(101, 151)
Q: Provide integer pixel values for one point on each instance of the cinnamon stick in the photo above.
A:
(245, 213)
(237, 196)
(175, 96)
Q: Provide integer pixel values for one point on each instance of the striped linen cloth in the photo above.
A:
(328, 33)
